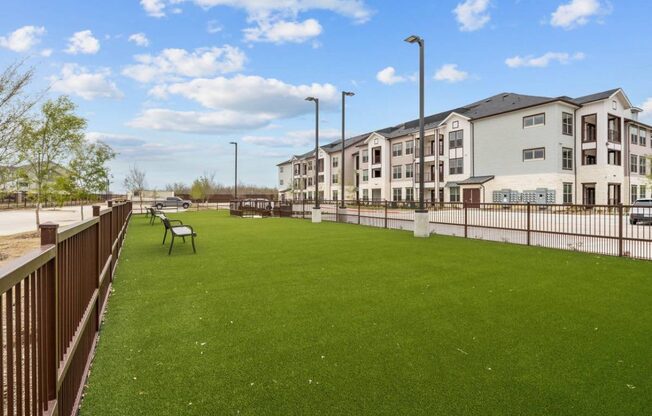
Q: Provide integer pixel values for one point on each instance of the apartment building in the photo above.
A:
(505, 148)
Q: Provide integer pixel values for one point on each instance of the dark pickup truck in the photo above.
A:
(172, 202)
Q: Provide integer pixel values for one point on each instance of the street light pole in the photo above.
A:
(343, 176)
(316, 101)
(421, 215)
(235, 188)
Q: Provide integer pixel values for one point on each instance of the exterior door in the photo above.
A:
(589, 194)
(472, 198)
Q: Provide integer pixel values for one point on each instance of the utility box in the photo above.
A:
(506, 196)
(540, 196)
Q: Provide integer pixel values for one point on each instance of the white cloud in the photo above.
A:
(197, 121)
(46, 52)
(283, 31)
(135, 148)
(77, 80)
(139, 39)
(450, 73)
(252, 94)
(271, 9)
(577, 13)
(174, 63)
(543, 60)
(22, 39)
(647, 109)
(154, 8)
(472, 14)
(297, 138)
(237, 103)
(388, 76)
(83, 42)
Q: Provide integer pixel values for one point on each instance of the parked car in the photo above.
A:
(641, 211)
(172, 202)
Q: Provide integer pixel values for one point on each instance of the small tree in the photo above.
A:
(203, 186)
(178, 188)
(62, 190)
(47, 141)
(88, 170)
(135, 182)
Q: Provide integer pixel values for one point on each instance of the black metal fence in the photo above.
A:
(599, 229)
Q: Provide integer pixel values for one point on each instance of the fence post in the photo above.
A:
(620, 229)
(98, 267)
(466, 221)
(303, 208)
(385, 213)
(49, 235)
(358, 201)
(337, 211)
(528, 223)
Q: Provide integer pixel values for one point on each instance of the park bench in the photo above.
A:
(179, 230)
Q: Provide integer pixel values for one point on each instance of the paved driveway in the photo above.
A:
(24, 220)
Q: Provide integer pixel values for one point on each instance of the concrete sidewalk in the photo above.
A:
(24, 220)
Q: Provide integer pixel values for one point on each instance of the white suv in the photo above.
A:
(641, 211)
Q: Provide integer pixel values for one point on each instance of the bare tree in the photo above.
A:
(178, 188)
(135, 182)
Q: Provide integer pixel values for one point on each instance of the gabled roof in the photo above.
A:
(596, 97)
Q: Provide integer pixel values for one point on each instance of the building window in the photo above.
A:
(633, 194)
(534, 120)
(534, 154)
(365, 156)
(397, 194)
(456, 166)
(365, 175)
(567, 123)
(320, 165)
(456, 124)
(335, 161)
(613, 157)
(456, 139)
(409, 194)
(365, 194)
(613, 194)
(397, 149)
(376, 173)
(641, 191)
(335, 195)
(335, 178)
(409, 147)
(589, 157)
(280, 182)
(642, 165)
(633, 134)
(643, 137)
(633, 163)
(321, 179)
(455, 194)
(309, 182)
(397, 172)
(376, 155)
(568, 193)
(441, 145)
(614, 105)
(409, 171)
(567, 158)
(280, 169)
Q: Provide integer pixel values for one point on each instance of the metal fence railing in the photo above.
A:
(600, 229)
(51, 301)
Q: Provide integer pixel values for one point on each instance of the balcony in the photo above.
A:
(614, 136)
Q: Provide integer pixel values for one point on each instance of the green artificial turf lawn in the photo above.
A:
(285, 317)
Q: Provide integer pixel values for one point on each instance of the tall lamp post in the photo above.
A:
(342, 179)
(421, 214)
(235, 188)
(316, 211)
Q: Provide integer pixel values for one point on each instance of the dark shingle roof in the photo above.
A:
(595, 97)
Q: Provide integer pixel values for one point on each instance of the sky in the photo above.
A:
(170, 83)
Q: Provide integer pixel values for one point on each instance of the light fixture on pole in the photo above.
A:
(421, 215)
(343, 175)
(316, 101)
(235, 188)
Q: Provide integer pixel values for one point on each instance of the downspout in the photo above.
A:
(437, 165)
(472, 148)
(574, 156)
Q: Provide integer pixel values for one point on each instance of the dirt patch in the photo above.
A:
(14, 246)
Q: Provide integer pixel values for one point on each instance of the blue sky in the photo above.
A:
(169, 83)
